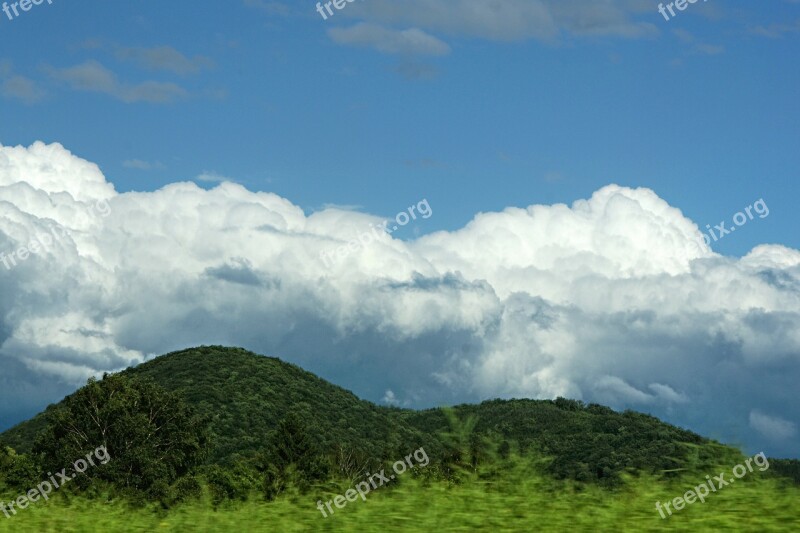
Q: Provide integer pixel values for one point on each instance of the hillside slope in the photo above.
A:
(246, 395)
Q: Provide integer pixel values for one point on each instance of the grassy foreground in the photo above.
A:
(532, 502)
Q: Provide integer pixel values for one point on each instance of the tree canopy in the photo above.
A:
(152, 435)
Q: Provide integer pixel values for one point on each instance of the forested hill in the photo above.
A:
(246, 396)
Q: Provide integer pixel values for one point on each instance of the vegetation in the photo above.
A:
(153, 436)
(247, 396)
(587, 442)
(522, 500)
(225, 430)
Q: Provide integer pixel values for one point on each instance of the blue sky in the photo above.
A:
(702, 108)
(300, 133)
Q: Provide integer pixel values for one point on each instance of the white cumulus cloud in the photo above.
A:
(607, 300)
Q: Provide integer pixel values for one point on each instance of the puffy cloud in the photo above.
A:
(609, 299)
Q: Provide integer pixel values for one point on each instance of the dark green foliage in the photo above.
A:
(248, 395)
(22, 436)
(187, 488)
(293, 443)
(463, 447)
(785, 468)
(504, 450)
(469, 454)
(17, 471)
(273, 425)
(233, 482)
(585, 443)
(292, 457)
(151, 435)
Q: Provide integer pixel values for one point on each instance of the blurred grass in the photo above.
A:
(521, 500)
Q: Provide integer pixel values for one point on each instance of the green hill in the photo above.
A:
(247, 395)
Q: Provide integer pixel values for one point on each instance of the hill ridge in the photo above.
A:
(247, 395)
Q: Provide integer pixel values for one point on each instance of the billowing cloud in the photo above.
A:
(608, 300)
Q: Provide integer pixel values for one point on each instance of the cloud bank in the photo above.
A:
(607, 300)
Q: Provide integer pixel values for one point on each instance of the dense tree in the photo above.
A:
(151, 435)
(17, 471)
(292, 456)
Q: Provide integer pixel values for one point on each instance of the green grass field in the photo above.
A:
(521, 502)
